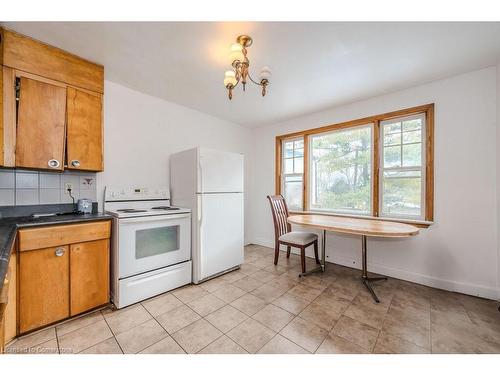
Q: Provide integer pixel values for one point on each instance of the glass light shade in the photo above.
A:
(229, 78)
(235, 52)
(265, 73)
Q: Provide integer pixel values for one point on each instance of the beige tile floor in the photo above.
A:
(263, 308)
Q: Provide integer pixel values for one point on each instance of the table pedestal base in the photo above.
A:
(364, 277)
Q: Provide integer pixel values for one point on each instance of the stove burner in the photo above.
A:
(131, 210)
(166, 208)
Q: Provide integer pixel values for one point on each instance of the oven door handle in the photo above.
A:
(148, 219)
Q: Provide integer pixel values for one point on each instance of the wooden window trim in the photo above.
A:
(427, 109)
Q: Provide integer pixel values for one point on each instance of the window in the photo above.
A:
(402, 192)
(341, 163)
(380, 166)
(293, 170)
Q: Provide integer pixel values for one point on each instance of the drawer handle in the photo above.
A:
(59, 252)
(53, 163)
(75, 163)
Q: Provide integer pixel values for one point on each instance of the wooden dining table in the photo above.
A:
(362, 227)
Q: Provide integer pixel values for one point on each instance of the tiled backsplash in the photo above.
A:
(24, 187)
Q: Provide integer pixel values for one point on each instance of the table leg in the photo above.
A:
(321, 267)
(323, 252)
(364, 277)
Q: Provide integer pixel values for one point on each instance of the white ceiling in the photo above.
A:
(315, 65)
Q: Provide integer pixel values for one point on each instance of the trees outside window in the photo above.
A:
(341, 170)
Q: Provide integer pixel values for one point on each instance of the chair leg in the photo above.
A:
(316, 252)
(288, 249)
(303, 259)
(276, 252)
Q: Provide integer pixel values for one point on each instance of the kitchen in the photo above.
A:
(143, 214)
(84, 141)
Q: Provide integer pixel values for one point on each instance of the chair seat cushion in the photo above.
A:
(298, 238)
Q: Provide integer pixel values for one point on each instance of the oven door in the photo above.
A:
(152, 242)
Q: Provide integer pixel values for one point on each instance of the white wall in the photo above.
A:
(459, 252)
(141, 132)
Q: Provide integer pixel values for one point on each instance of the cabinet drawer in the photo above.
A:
(56, 235)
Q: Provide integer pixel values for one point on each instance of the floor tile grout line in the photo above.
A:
(383, 323)
(168, 334)
(113, 333)
(57, 341)
(249, 317)
(211, 342)
(88, 347)
(75, 319)
(171, 334)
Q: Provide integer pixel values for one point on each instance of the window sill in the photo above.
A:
(417, 223)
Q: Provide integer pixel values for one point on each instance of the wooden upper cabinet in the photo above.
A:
(40, 125)
(32, 56)
(58, 89)
(84, 130)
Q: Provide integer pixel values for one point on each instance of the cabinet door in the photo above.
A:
(40, 125)
(84, 135)
(10, 311)
(89, 269)
(43, 287)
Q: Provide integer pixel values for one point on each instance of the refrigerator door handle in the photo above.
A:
(200, 176)
(200, 209)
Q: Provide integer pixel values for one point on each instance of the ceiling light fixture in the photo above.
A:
(240, 64)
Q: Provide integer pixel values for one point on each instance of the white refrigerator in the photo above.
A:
(210, 183)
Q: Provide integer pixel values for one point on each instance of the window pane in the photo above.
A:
(288, 149)
(298, 152)
(299, 165)
(393, 127)
(288, 166)
(292, 191)
(402, 168)
(412, 136)
(402, 193)
(341, 171)
(299, 143)
(415, 124)
(392, 139)
(392, 156)
(412, 155)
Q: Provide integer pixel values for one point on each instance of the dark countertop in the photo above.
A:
(10, 225)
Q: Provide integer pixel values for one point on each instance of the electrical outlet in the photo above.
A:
(68, 186)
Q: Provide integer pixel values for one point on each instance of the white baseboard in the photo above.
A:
(451, 285)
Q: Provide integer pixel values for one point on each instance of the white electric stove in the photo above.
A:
(151, 244)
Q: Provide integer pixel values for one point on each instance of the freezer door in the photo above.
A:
(220, 234)
(219, 171)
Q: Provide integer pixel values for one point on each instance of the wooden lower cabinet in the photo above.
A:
(43, 287)
(89, 275)
(11, 308)
(65, 279)
(2, 333)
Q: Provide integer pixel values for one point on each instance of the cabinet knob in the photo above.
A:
(75, 163)
(59, 252)
(53, 163)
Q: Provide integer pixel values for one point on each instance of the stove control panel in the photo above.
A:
(135, 193)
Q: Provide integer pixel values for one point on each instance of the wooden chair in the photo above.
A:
(283, 234)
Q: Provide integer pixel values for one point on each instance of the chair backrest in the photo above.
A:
(280, 214)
